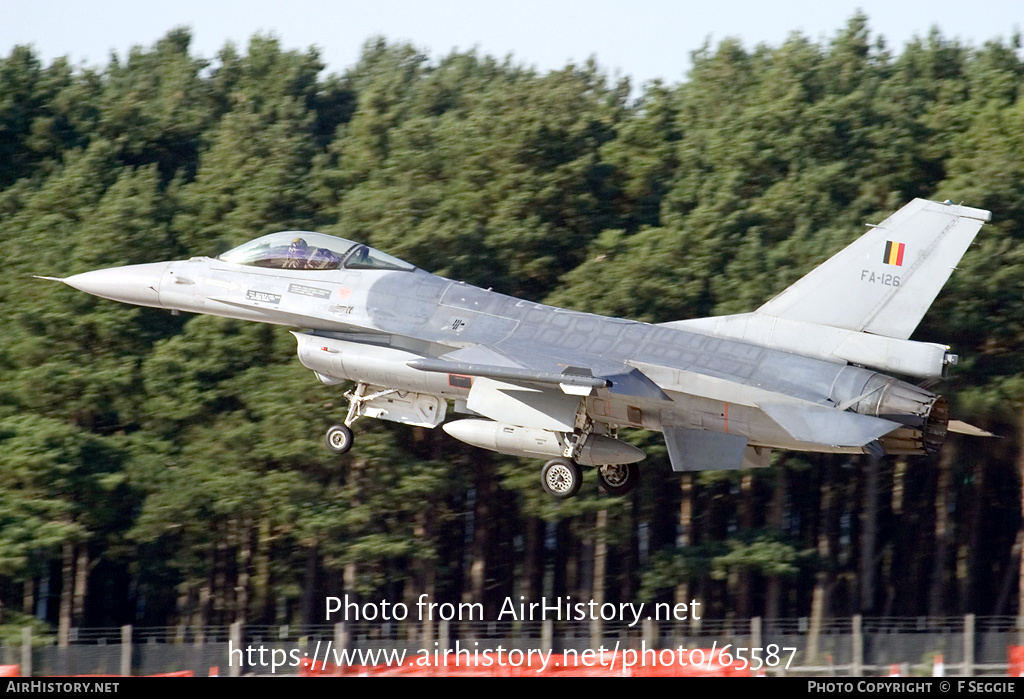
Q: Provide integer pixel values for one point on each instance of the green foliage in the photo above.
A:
(185, 452)
(763, 554)
(13, 626)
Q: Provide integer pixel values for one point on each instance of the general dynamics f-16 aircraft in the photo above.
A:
(799, 373)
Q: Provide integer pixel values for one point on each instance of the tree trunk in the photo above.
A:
(600, 555)
(869, 532)
(777, 516)
(682, 592)
(66, 593)
(971, 550)
(1020, 576)
(936, 599)
(1004, 592)
(220, 590)
(81, 585)
(476, 574)
(182, 609)
(261, 581)
(201, 617)
(421, 578)
(355, 478)
(533, 566)
(600, 558)
(562, 573)
(630, 561)
(28, 597)
(242, 582)
(896, 569)
(744, 574)
(819, 599)
(309, 614)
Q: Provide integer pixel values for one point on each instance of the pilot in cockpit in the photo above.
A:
(301, 255)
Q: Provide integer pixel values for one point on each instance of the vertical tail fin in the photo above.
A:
(884, 282)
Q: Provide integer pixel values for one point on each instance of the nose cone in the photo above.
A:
(137, 284)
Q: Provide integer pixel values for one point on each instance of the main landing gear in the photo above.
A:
(618, 479)
(562, 478)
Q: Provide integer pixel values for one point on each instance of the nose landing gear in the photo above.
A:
(339, 439)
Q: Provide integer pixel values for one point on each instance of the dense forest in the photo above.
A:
(169, 470)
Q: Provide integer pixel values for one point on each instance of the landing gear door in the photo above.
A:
(418, 409)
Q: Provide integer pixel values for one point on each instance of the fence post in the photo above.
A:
(442, 636)
(236, 642)
(596, 632)
(811, 653)
(651, 635)
(341, 642)
(126, 650)
(26, 651)
(858, 647)
(968, 668)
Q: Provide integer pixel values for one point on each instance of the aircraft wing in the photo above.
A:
(533, 389)
(535, 367)
(494, 371)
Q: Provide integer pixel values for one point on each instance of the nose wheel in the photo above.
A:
(561, 478)
(339, 439)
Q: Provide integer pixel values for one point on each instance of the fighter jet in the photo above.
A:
(803, 372)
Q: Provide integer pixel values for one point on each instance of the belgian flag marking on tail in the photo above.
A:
(894, 253)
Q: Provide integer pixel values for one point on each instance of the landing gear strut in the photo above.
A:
(339, 437)
(561, 478)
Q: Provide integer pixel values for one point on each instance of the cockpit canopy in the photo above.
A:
(312, 251)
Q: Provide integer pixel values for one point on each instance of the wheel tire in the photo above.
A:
(561, 478)
(618, 479)
(339, 439)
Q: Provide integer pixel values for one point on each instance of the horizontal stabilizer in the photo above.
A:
(925, 360)
(819, 425)
(969, 430)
